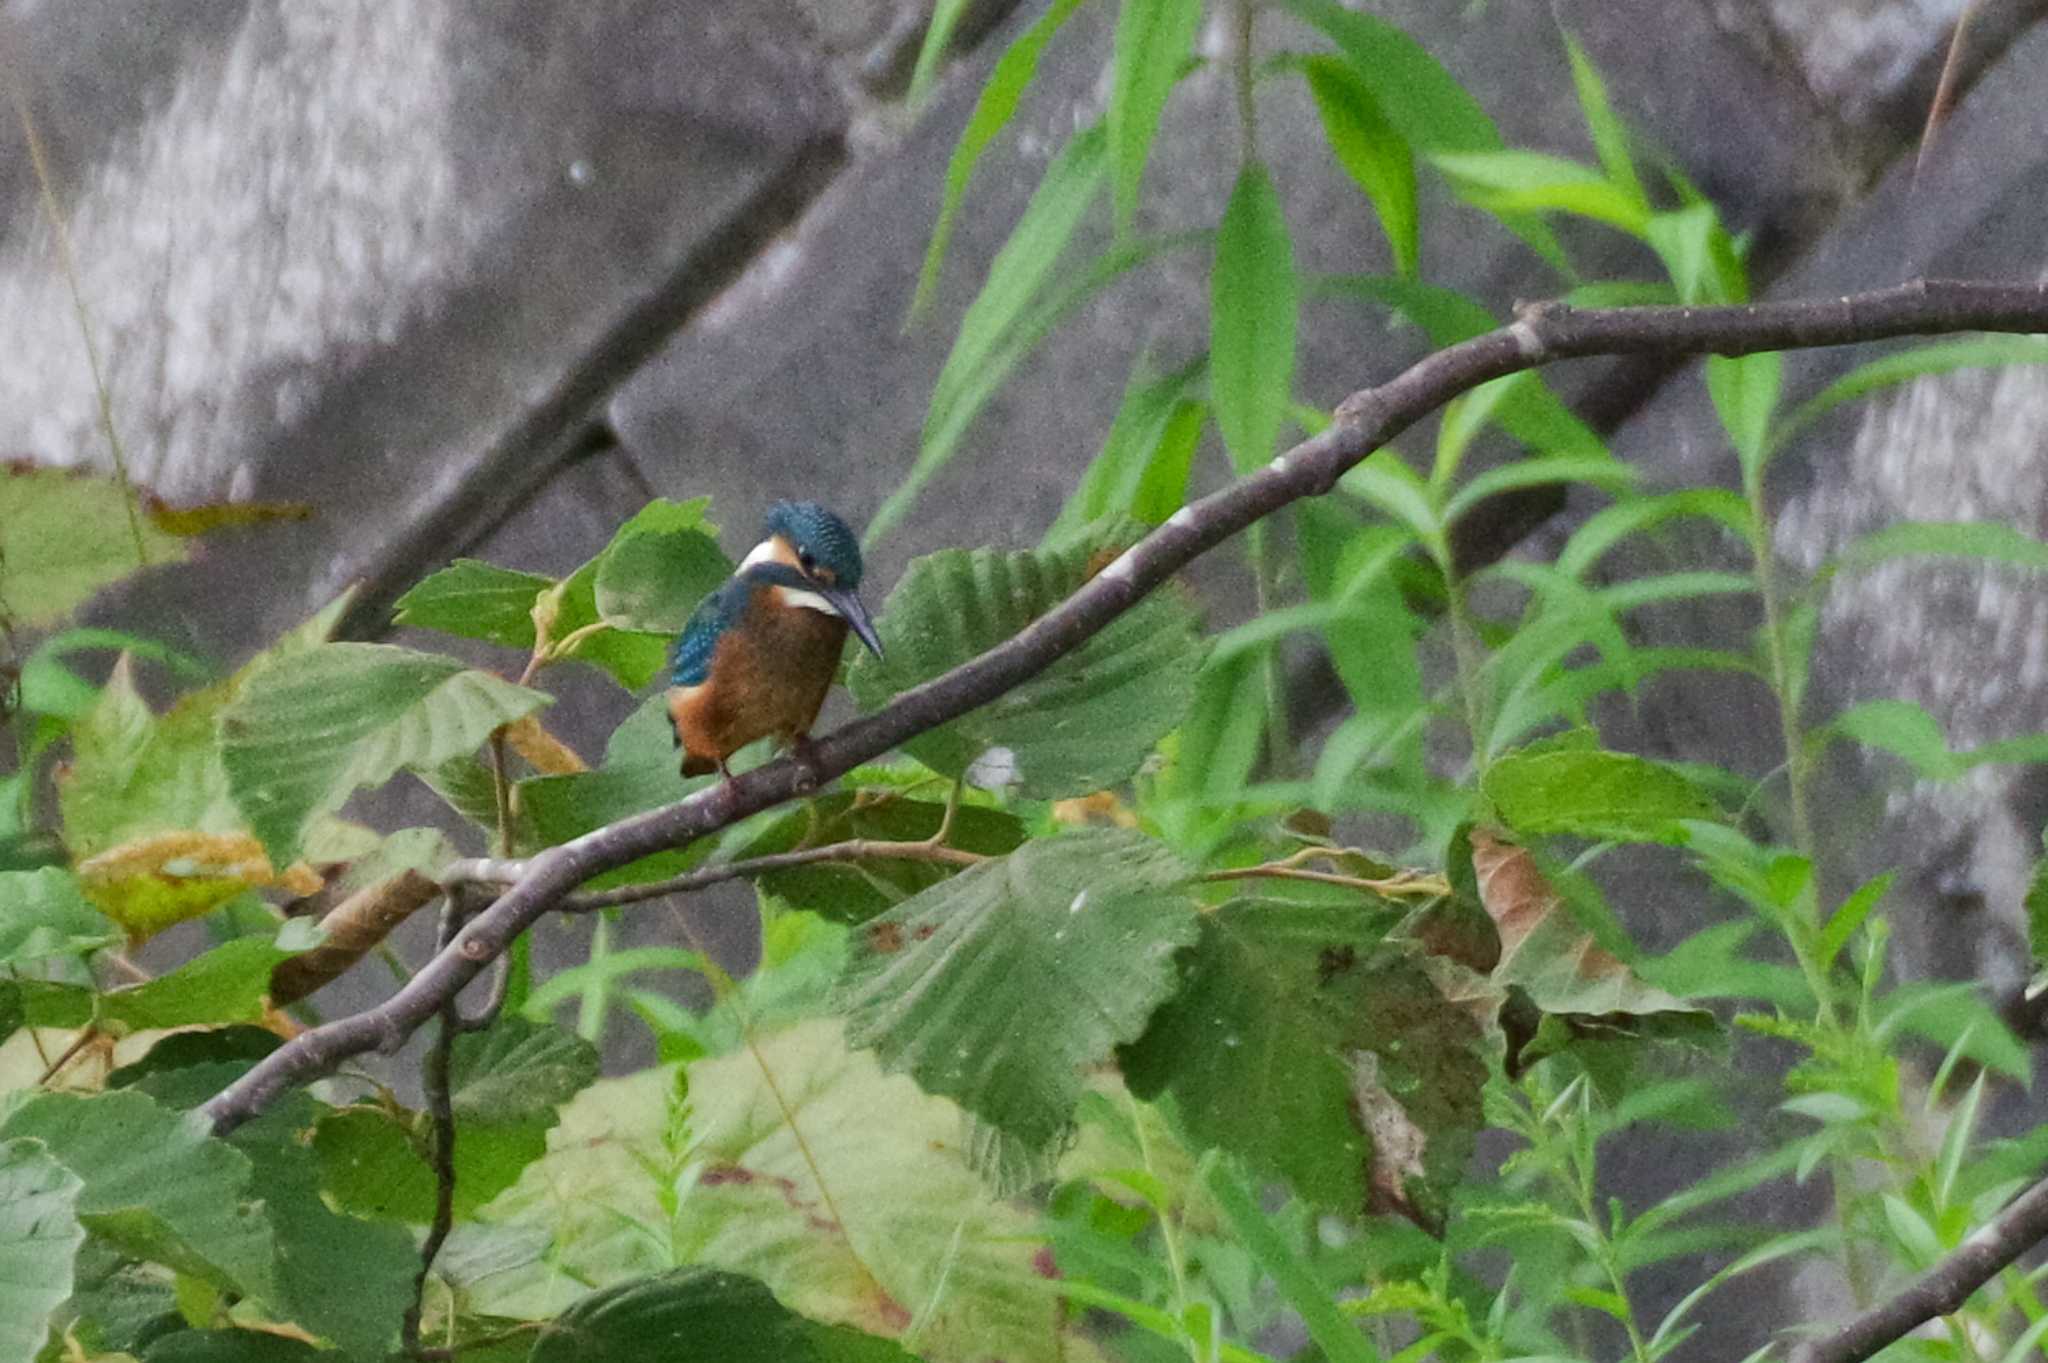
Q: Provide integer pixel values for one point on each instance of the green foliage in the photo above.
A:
(51, 568)
(1084, 723)
(1023, 1070)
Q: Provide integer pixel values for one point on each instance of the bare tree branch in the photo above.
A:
(1365, 421)
(1941, 1290)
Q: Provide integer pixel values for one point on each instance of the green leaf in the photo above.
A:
(1508, 183)
(308, 730)
(1850, 916)
(1142, 471)
(1603, 471)
(1610, 138)
(559, 808)
(1338, 1338)
(853, 892)
(64, 534)
(474, 600)
(698, 1316)
(1546, 952)
(225, 984)
(341, 1277)
(1220, 742)
(1252, 318)
(39, 1238)
(577, 632)
(1593, 794)
(1371, 151)
(835, 1215)
(1934, 357)
(1445, 315)
(659, 565)
(517, 1071)
(43, 915)
(1986, 541)
(1154, 39)
(1698, 254)
(1903, 729)
(996, 987)
(1084, 723)
(1745, 393)
(156, 1185)
(1610, 525)
(938, 39)
(1016, 278)
(231, 1346)
(993, 109)
(1292, 1033)
(1422, 99)
(2037, 913)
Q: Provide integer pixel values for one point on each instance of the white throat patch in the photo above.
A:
(810, 601)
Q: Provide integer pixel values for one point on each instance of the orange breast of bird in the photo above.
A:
(769, 675)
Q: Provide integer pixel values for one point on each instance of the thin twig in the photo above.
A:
(435, 1070)
(1941, 1290)
(1405, 885)
(1364, 422)
(70, 1053)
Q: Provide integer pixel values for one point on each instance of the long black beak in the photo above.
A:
(856, 615)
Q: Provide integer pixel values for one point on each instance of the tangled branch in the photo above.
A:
(1364, 421)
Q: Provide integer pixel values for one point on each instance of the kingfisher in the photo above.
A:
(759, 653)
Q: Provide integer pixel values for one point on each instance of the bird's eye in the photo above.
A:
(806, 560)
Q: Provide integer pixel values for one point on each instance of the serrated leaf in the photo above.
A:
(863, 1251)
(156, 1184)
(43, 914)
(66, 533)
(659, 565)
(39, 1238)
(1593, 794)
(474, 600)
(1302, 1044)
(993, 109)
(518, 1070)
(1252, 316)
(698, 1316)
(1154, 39)
(996, 987)
(309, 730)
(1371, 151)
(346, 1279)
(1547, 953)
(1084, 723)
(853, 892)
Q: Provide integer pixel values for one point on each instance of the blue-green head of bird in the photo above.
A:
(815, 558)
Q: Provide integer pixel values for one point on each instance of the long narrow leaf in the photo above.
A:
(1610, 138)
(1372, 152)
(1252, 320)
(997, 104)
(1150, 419)
(1153, 38)
(1936, 357)
(938, 37)
(1340, 1340)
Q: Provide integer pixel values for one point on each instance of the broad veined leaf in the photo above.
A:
(43, 914)
(505, 1087)
(659, 565)
(225, 984)
(1593, 794)
(578, 633)
(1154, 39)
(341, 1277)
(309, 730)
(1371, 151)
(1253, 309)
(1000, 95)
(853, 892)
(39, 1238)
(157, 1185)
(1302, 1043)
(66, 533)
(1546, 952)
(1084, 723)
(474, 600)
(696, 1315)
(902, 1236)
(996, 987)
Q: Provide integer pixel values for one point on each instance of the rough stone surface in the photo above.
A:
(383, 263)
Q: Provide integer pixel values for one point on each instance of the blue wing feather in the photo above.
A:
(689, 659)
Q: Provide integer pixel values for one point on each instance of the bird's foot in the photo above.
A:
(810, 768)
